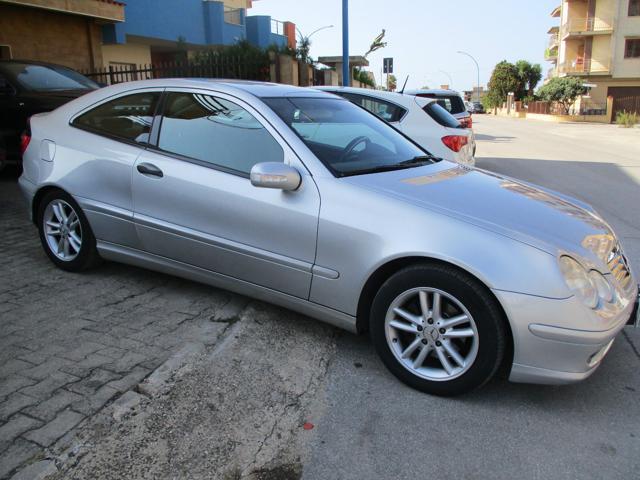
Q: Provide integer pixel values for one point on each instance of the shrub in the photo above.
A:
(627, 119)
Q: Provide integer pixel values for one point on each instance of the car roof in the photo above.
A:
(32, 62)
(255, 88)
(433, 91)
(393, 97)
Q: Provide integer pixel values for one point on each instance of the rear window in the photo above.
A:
(442, 116)
(451, 103)
(48, 78)
(385, 110)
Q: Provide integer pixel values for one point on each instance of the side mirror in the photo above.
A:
(275, 175)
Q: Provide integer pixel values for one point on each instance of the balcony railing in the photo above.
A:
(587, 25)
(233, 15)
(554, 40)
(579, 66)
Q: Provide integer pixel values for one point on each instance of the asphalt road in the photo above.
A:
(374, 427)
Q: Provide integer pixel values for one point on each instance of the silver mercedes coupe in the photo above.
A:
(305, 200)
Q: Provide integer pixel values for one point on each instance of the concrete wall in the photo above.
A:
(131, 52)
(601, 53)
(49, 36)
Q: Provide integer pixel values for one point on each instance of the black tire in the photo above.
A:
(87, 256)
(483, 307)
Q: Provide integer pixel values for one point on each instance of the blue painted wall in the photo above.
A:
(198, 22)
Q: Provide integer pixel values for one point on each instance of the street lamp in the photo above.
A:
(449, 77)
(346, 74)
(477, 67)
(314, 32)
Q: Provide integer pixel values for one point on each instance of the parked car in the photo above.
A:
(449, 100)
(27, 88)
(302, 199)
(421, 119)
(478, 107)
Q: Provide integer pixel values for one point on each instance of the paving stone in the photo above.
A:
(17, 454)
(37, 471)
(91, 404)
(17, 425)
(82, 351)
(130, 380)
(93, 382)
(48, 409)
(15, 366)
(43, 389)
(13, 383)
(55, 429)
(45, 369)
(14, 403)
(126, 363)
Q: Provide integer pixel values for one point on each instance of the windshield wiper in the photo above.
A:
(411, 163)
(420, 160)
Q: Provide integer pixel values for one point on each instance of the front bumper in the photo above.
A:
(548, 348)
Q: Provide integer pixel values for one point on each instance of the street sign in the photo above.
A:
(387, 65)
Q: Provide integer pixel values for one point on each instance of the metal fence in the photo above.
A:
(216, 67)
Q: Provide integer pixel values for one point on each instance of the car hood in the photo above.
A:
(543, 219)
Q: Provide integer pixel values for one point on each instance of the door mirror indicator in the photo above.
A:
(275, 175)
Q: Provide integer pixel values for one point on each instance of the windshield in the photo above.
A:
(346, 138)
(45, 78)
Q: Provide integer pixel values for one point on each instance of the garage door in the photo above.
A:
(625, 98)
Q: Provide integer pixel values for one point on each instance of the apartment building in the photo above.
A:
(156, 31)
(599, 41)
(67, 32)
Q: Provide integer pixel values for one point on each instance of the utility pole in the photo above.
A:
(346, 71)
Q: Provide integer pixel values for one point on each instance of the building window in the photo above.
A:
(634, 8)
(632, 48)
(5, 52)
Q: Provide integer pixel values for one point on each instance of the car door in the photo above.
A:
(12, 121)
(194, 202)
(106, 140)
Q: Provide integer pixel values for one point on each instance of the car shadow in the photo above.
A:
(493, 139)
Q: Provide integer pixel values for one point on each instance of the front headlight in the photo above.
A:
(603, 287)
(579, 282)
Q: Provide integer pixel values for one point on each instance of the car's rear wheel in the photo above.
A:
(65, 232)
(438, 329)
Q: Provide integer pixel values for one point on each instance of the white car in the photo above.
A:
(422, 119)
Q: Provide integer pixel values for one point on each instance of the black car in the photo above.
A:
(478, 107)
(27, 88)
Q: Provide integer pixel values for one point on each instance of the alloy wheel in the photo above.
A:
(431, 334)
(62, 230)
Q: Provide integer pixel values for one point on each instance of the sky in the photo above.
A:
(424, 35)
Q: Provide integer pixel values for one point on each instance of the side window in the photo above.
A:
(385, 110)
(127, 118)
(215, 131)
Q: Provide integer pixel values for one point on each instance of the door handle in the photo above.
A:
(149, 169)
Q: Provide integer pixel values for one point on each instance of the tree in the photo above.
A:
(302, 52)
(393, 83)
(563, 90)
(504, 80)
(530, 75)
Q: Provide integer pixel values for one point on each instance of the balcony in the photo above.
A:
(551, 54)
(554, 40)
(580, 27)
(581, 66)
(233, 16)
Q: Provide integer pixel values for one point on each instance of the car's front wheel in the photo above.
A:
(438, 329)
(65, 232)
